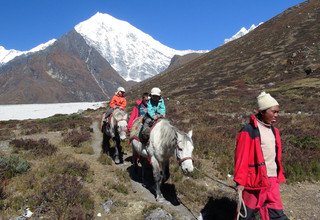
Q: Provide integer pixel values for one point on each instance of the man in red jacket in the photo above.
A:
(258, 167)
(140, 109)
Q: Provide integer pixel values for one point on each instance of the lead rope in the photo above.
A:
(241, 204)
(240, 199)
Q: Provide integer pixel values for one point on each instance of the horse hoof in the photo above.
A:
(116, 160)
(161, 200)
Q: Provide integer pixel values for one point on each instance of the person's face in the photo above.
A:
(145, 100)
(270, 115)
(121, 93)
(155, 98)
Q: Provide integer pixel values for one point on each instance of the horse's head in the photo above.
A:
(120, 117)
(184, 151)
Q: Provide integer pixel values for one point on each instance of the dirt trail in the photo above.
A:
(96, 138)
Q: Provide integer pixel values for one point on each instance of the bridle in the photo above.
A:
(181, 160)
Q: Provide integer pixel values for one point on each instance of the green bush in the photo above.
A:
(12, 166)
(305, 142)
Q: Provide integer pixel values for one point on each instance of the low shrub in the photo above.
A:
(85, 150)
(29, 127)
(75, 137)
(40, 148)
(61, 122)
(105, 193)
(12, 166)
(75, 168)
(122, 175)
(120, 188)
(105, 159)
(6, 134)
(305, 142)
(63, 197)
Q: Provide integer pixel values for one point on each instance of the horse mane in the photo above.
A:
(119, 114)
(169, 133)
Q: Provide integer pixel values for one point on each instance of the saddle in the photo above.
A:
(138, 128)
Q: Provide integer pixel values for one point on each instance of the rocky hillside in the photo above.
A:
(280, 56)
(177, 60)
(215, 93)
(69, 70)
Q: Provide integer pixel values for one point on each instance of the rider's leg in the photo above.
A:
(146, 129)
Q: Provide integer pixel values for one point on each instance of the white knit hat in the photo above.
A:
(265, 101)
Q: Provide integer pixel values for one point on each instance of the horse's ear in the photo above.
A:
(190, 134)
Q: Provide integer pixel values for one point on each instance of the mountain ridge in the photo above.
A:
(67, 71)
(118, 42)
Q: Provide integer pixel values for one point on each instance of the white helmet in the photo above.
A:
(155, 91)
(120, 89)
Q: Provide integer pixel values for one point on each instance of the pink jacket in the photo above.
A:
(134, 114)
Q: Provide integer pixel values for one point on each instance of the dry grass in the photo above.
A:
(53, 189)
(75, 138)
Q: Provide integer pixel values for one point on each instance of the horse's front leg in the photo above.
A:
(117, 151)
(165, 171)
(157, 175)
(105, 144)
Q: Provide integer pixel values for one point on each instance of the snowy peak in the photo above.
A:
(132, 53)
(243, 31)
(7, 55)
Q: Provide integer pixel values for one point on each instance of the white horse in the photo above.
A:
(165, 141)
(117, 131)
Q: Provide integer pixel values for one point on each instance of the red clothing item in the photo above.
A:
(249, 166)
(267, 201)
(118, 101)
(134, 114)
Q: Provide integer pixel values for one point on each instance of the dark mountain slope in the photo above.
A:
(280, 56)
(177, 61)
(67, 71)
(215, 93)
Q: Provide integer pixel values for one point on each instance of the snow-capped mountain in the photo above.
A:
(243, 31)
(132, 53)
(7, 55)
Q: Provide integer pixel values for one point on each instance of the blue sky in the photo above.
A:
(179, 24)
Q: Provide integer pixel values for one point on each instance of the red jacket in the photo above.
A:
(118, 101)
(134, 114)
(249, 166)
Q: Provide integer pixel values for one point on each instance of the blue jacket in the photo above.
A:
(156, 108)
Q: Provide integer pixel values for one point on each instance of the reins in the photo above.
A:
(240, 199)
